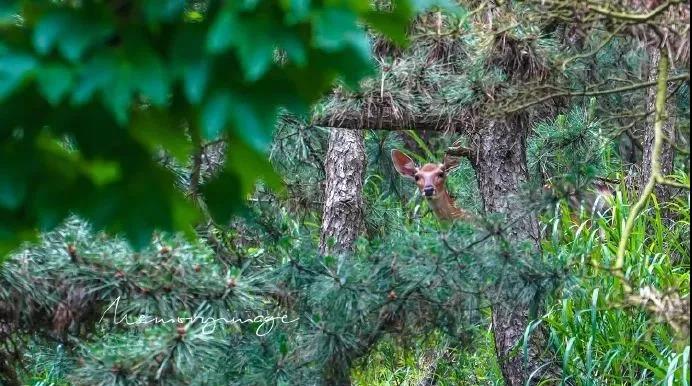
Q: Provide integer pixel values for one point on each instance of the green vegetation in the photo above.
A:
(91, 93)
(165, 176)
(639, 341)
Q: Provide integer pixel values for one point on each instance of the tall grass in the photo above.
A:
(401, 363)
(600, 337)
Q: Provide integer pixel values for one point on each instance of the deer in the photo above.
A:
(431, 181)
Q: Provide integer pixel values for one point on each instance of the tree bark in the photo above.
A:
(342, 219)
(501, 170)
(663, 192)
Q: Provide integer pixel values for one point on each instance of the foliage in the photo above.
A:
(572, 149)
(173, 277)
(407, 279)
(602, 340)
(183, 91)
(92, 92)
(599, 340)
(270, 267)
(401, 363)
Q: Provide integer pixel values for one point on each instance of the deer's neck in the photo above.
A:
(444, 207)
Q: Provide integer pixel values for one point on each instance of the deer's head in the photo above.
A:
(430, 178)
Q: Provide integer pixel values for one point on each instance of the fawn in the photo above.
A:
(430, 179)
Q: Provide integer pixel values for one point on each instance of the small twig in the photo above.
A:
(573, 93)
(195, 173)
(459, 151)
(595, 50)
(664, 181)
(633, 16)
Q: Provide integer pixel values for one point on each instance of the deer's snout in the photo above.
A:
(429, 191)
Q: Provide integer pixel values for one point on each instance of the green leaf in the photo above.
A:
(195, 79)
(256, 55)
(54, 81)
(116, 97)
(240, 156)
(190, 62)
(252, 118)
(13, 186)
(221, 32)
(222, 195)
(105, 172)
(215, 115)
(295, 50)
(97, 73)
(80, 35)
(335, 27)
(166, 10)
(249, 5)
(337, 32)
(48, 31)
(72, 34)
(296, 10)
(157, 128)
(72, 162)
(149, 75)
(391, 24)
(253, 125)
(193, 16)
(227, 194)
(8, 10)
(253, 38)
(14, 67)
(102, 172)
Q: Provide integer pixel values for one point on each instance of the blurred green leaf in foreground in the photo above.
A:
(92, 93)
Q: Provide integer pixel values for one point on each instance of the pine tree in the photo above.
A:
(474, 75)
(488, 74)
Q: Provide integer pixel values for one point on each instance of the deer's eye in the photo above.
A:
(416, 177)
(441, 175)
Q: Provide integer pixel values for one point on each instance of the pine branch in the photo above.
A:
(575, 93)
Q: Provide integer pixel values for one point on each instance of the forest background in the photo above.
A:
(233, 158)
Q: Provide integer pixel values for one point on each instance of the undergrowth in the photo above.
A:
(599, 336)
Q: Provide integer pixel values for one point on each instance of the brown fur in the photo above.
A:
(431, 177)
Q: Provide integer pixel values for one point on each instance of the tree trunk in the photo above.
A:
(342, 219)
(663, 192)
(501, 170)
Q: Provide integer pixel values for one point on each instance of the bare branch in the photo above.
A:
(635, 17)
(372, 123)
(574, 93)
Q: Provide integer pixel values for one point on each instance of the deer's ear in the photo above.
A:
(450, 163)
(403, 164)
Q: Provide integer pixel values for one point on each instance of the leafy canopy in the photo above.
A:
(91, 93)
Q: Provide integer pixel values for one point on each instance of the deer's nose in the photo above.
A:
(428, 191)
